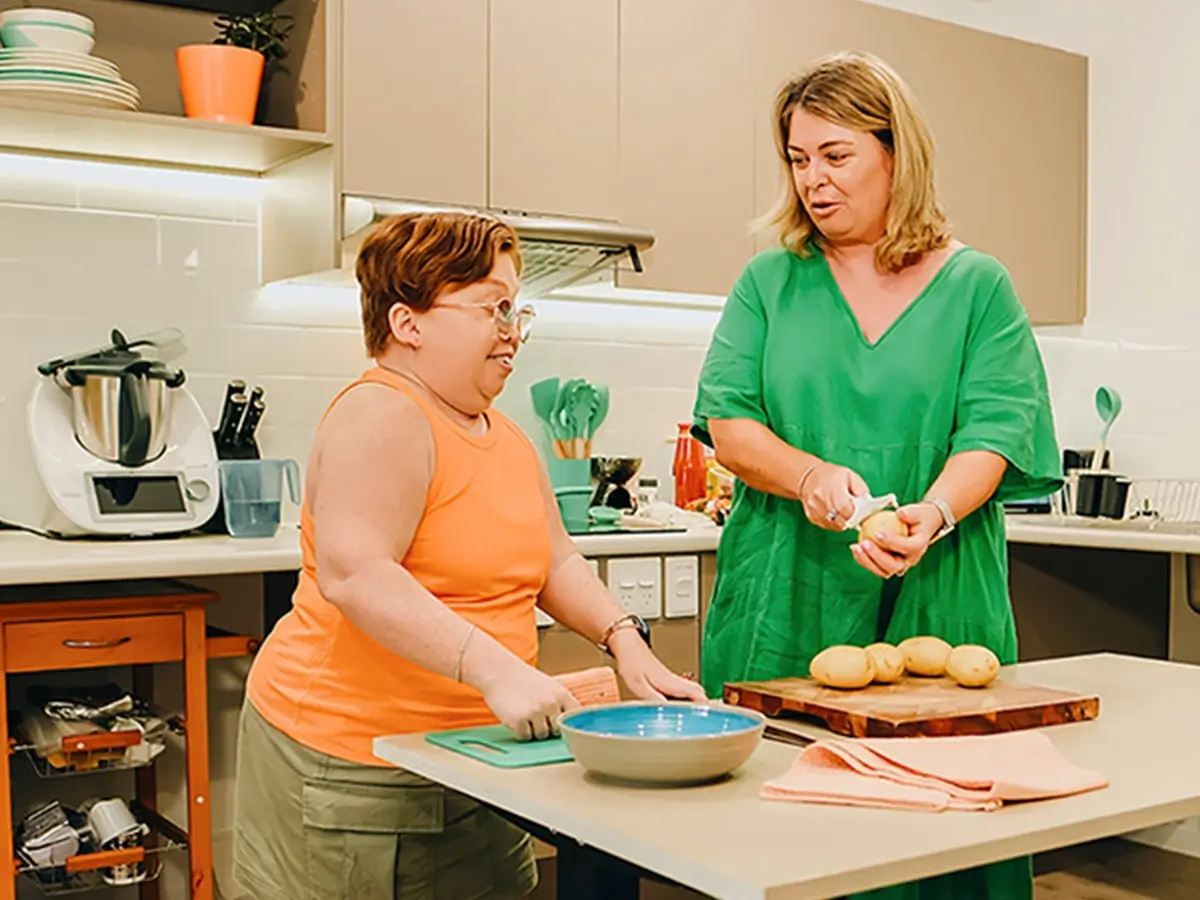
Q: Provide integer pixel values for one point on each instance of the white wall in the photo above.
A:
(1142, 333)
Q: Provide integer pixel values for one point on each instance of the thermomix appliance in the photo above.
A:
(120, 446)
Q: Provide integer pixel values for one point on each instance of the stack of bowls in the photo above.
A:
(45, 55)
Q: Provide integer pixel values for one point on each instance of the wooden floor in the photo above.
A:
(1106, 870)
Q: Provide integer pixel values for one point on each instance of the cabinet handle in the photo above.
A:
(96, 645)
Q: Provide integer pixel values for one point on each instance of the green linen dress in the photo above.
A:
(958, 370)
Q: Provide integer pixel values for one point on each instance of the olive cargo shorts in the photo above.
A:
(311, 827)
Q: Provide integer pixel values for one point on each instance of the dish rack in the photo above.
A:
(84, 754)
(1167, 500)
(99, 869)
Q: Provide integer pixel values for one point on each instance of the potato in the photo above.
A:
(887, 660)
(842, 666)
(972, 665)
(925, 655)
(883, 522)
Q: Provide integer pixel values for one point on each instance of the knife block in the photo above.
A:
(250, 450)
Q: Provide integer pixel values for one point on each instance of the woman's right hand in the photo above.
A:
(528, 701)
(827, 494)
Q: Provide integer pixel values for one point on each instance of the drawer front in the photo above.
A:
(85, 643)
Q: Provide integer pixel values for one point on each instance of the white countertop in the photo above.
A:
(725, 841)
(1105, 534)
(28, 559)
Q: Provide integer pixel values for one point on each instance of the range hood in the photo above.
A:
(555, 251)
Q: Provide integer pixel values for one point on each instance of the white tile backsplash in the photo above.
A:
(84, 248)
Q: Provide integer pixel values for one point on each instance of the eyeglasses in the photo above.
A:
(508, 318)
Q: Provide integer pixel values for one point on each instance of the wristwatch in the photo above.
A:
(948, 520)
(629, 620)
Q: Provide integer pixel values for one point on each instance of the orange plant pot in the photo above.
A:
(219, 82)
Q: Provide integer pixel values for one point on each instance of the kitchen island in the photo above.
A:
(722, 840)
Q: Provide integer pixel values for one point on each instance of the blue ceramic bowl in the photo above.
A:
(661, 743)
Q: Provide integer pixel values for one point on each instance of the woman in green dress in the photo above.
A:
(869, 354)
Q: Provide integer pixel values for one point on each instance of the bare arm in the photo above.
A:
(767, 463)
(574, 596)
(968, 480)
(373, 467)
(753, 453)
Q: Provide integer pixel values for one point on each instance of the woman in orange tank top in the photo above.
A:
(429, 533)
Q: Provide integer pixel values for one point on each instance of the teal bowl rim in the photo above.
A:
(758, 722)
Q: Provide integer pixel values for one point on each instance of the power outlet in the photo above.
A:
(682, 587)
(636, 582)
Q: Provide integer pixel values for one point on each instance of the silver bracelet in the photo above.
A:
(462, 649)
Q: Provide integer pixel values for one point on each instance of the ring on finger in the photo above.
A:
(832, 515)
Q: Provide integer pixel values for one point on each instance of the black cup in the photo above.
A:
(1082, 459)
(1101, 495)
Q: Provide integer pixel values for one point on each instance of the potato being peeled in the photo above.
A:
(842, 666)
(925, 655)
(972, 665)
(883, 522)
(887, 660)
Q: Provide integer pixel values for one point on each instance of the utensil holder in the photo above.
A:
(569, 473)
(1101, 495)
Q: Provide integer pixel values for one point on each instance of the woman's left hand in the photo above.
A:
(645, 674)
(889, 555)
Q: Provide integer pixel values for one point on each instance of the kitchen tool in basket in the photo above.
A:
(496, 745)
(868, 506)
(1108, 407)
(544, 395)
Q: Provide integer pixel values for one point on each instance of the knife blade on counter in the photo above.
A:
(785, 736)
(231, 415)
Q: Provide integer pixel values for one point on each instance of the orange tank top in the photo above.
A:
(482, 548)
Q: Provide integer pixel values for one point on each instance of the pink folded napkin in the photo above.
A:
(933, 774)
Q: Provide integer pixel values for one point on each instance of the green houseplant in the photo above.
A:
(221, 81)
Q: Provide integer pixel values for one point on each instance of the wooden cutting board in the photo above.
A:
(916, 706)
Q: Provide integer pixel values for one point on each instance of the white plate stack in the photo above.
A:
(45, 57)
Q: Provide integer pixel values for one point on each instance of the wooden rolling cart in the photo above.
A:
(137, 624)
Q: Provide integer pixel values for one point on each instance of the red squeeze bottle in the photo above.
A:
(689, 469)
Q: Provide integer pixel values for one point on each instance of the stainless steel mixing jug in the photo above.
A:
(120, 401)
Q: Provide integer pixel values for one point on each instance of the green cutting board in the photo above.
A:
(497, 746)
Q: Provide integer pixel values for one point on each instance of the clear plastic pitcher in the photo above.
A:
(252, 494)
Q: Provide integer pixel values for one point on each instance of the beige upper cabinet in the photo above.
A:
(1009, 119)
(553, 135)
(687, 139)
(415, 99)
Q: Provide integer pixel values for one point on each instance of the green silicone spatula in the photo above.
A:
(1108, 407)
(543, 394)
(599, 411)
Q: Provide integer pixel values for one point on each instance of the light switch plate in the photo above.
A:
(682, 588)
(636, 582)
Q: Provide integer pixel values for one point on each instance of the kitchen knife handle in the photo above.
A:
(245, 432)
(230, 421)
(236, 386)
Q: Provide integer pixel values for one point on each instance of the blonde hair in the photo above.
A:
(413, 258)
(861, 92)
